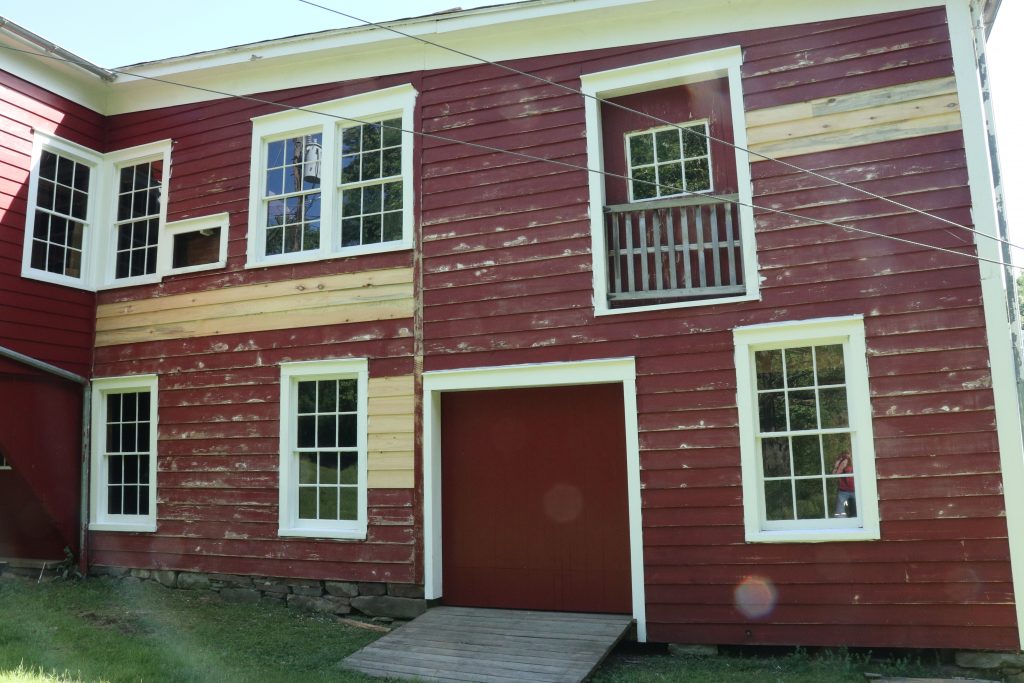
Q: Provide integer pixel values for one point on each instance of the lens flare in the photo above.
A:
(755, 597)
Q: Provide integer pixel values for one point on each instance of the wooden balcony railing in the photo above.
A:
(673, 249)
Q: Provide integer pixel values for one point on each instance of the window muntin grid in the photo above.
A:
(669, 161)
(62, 202)
(127, 453)
(292, 197)
(137, 227)
(803, 429)
(326, 448)
(371, 183)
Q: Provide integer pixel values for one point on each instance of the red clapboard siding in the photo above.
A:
(507, 280)
(48, 322)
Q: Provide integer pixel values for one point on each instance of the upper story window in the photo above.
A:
(336, 179)
(94, 221)
(805, 428)
(671, 223)
(669, 161)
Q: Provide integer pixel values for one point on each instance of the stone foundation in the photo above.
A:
(391, 600)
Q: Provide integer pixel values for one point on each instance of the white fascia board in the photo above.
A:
(53, 74)
(504, 33)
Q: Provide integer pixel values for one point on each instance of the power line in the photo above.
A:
(530, 157)
(662, 121)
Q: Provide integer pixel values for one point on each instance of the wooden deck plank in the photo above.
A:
(493, 646)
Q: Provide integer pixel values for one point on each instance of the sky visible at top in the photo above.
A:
(114, 33)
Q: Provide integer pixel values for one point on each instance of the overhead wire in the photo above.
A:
(652, 117)
(530, 157)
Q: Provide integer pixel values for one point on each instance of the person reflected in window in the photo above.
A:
(846, 496)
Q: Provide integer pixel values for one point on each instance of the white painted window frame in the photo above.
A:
(329, 118)
(99, 243)
(99, 520)
(667, 73)
(848, 331)
(40, 143)
(165, 254)
(605, 371)
(289, 523)
(653, 131)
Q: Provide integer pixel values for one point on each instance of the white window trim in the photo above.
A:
(154, 151)
(289, 523)
(100, 240)
(666, 73)
(848, 331)
(99, 520)
(165, 253)
(94, 161)
(330, 118)
(682, 160)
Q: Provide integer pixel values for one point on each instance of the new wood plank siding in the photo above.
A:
(45, 321)
(507, 280)
(217, 339)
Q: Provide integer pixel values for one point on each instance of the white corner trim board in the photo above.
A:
(618, 370)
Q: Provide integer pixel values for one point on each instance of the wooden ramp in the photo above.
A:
(493, 646)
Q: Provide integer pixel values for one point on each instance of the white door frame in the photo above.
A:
(607, 371)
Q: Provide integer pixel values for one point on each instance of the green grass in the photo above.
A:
(107, 631)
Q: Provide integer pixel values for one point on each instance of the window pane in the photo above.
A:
(641, 149)
(307, 502)
(830, 364)
(392, 164)
(347, 395)
(393, 196)
(769, 369)
(351, 202)
(348, 463)
(644, 183)
(392, 226)
(799, 368)
(667, 145)
(307, 431)
(806, 455)
(349, 504)
(772, 411)
(802, 410)
(327, 431)
(327, 396)
(371, 164)
(778, 500)
(328, 503)
(115, 469)
(131, 500)
(371, 137)
(392, 132)
(307, 468)
(372, 199)
(695, 142)
(350, 140)
(834, 446)
(307, 397)
(698, 175)
(48, 165)
(347, 431)
(350, 234)
(810, 499)
(129, 403)
(670, 178)
(372, 229)
(775, 457)
(833, 408)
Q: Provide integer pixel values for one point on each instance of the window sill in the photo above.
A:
(352, 534)
(148, 526)
(310, 257)
(813, 536)
(606, 310)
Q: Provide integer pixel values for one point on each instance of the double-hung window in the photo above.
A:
(323, 449)
(333, 179)
(95, 221)
(123, 463)
(805, 427)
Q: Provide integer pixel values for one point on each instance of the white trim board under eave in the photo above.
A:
(1004, 388)
(513, 32)
(610, 371)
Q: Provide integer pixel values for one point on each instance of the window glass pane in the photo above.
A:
(328, 503)
(392, 162)
(347, 395)
(347, 431)
(371, 137)
(667, 145)
(350, 140)
(350, 234)
(641, 149)
(307, 431)
(307, 397)
(698, 175)
(371, 166)
(348, 463)
(778, 500)
(349, 503)
(802, 410)
(392, 226)
(810, 499)
(307, 468)
(393, 196)
(392, 132)
(115, 469)
(327, 431)
(833, 408)
(48, 165)
(329, 469)
(695, 142)
(799, 367)
(769, 369)
(670, 178)
(772, 411)
(830, 364)
(644, 183)
(372, 229)
(327, 396)
(806, 455)
(834, 446)
(775, 457)
(307, 502)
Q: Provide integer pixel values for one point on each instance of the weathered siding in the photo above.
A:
(216, 340)
(506, 280)
(45, 321)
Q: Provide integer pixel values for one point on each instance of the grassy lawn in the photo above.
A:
(96, 630)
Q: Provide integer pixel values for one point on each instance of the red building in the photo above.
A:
(707, 326)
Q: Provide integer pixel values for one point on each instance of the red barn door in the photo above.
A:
(534, 508)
